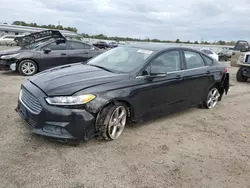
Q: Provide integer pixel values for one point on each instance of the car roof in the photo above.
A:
(157, 47)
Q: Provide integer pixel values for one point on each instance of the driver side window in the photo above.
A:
(55, 46)
(166, 62)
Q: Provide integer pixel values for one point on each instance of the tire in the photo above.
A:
(212, 98)
(31, 68)
(239, 76)
(109, 125)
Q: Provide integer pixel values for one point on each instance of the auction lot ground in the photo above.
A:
(193, 148)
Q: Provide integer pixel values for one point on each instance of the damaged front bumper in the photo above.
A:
(9, 64)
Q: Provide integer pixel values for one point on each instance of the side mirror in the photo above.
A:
(156, 73)
(46, 50)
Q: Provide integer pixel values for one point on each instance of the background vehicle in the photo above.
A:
(51, 50)
(101, 45)
(238, 49)
(210, 53)
(243, 72)
(8, 40)
(113, 44)
(225, 54)
(128, 83)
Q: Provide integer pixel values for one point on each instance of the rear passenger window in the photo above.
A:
(193, 60)
(208, 60)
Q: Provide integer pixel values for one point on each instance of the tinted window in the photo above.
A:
(208, 61)
(167, 62)
(193, 60)
(54, 46)
(207, 51)
(79, 45)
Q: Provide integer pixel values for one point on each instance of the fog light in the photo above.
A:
(54, 129)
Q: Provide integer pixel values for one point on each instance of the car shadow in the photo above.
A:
(11, 73)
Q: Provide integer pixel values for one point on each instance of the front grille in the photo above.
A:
(30, 102)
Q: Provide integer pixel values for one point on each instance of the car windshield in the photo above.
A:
(121, 59)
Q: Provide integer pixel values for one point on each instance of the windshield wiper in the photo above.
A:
(101, 68)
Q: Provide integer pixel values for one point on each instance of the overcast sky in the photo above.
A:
(164, 19)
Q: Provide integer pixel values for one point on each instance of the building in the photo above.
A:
(6, 29)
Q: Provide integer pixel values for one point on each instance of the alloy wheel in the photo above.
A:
(117, 122)
(213, 97)
(28, 68)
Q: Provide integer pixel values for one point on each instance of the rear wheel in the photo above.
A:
(212, 98)
(112, 121)
(27, 68)
(239, 76)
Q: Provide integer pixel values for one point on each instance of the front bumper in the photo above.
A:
(53, 121)
(6, 65)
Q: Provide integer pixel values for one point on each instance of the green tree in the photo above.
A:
(177, 41)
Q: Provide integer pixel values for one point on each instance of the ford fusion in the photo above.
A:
(125, 84)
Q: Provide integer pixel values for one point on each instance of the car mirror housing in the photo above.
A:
(46, 50)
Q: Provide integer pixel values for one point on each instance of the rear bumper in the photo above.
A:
(56, 122)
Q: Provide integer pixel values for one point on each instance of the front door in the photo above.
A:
(56, 57)
(163, 94)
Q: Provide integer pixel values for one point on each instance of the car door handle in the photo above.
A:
(85, 53)
(208, 72)
(63, 54)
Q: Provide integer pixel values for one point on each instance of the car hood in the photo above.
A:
(69, 79)
(10, 51)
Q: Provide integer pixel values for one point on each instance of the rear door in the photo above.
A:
(56, 57)
(197, 77)
(78, 52)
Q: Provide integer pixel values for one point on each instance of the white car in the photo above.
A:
(7, 40)
(210, 53)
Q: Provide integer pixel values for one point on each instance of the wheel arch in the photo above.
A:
(23, 59)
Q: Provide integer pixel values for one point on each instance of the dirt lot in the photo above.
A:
(194, 148)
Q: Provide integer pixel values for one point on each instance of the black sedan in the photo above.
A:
(124, 84)
(44, 54)
(102, 45)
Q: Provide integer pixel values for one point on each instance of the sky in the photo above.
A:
(209, 20)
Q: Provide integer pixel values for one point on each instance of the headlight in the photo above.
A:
(9, 56)
(70, 100)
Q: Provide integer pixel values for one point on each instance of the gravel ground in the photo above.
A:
(193, 148)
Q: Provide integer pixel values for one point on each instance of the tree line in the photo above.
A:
(59, 27)
(104, 37)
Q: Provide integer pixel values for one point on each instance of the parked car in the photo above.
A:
(39, 51)
(101, 45)
(243, 72)
(240, 47)
(225, 54)
(113, 44)
(8, 40)
(124, 84)
(211, 53)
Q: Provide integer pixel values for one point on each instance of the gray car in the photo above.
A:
(44, 50)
